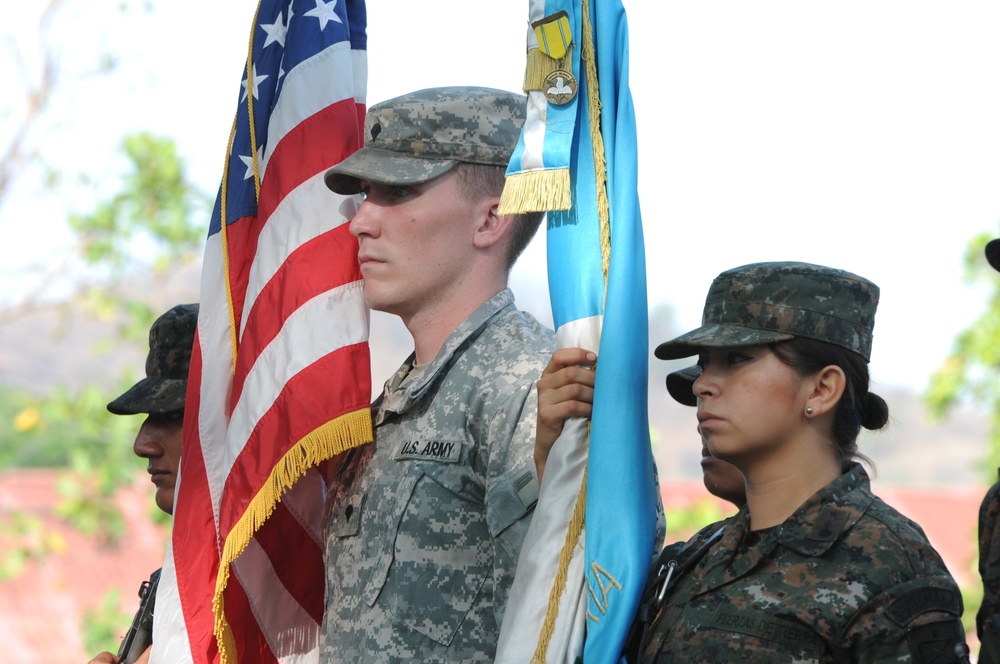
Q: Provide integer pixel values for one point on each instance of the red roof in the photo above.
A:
(948, 517)
(42, 610)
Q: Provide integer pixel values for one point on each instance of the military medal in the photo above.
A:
(555, 43)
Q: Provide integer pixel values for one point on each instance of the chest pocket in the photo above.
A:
(748, 636)
(441, 559)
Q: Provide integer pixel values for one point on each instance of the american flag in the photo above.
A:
(280, 374)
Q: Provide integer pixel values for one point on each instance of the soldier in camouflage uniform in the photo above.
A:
(721, 478)
(988, 617)
(160, 396)
(815, 568)
(423, 527)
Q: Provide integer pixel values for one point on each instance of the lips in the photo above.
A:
(705, 417)
(157, 475)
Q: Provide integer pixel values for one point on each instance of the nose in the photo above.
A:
(147, 442)
(364, 220)
(705, 385)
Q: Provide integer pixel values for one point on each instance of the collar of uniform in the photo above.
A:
(398, 398)
(835, 508)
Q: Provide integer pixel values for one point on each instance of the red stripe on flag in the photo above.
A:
(307, 149)
(320, 265)
(273, 539)
(293, 415)
(195, 546)
(241, 235)
(251, 646)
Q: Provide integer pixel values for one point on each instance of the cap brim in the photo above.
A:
(993, 253)
(716, 336)
(151, 395)
(680, 384)
(384, 166)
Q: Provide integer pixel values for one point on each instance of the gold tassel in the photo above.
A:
(324, 442)
(536, 191)
(537, 68)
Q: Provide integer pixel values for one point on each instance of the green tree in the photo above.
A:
(971, 373)
(143, 234)
(104, 625)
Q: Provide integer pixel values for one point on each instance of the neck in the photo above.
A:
(778, 486)
(431, 326)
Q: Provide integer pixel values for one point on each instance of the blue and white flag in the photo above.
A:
(598, 290)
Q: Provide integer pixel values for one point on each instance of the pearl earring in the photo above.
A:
(809, 410)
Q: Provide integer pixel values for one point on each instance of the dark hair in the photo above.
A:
(857, 407)
(481, 181)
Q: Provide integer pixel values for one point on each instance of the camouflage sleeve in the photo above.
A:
(989, 572)
(918, 621)
(512, 487)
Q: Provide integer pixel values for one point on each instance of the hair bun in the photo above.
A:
(874, 412)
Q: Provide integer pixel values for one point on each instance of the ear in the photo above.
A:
(825, 387)
(492, 228)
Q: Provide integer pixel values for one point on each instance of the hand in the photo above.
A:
(565, 390)
(104, 658)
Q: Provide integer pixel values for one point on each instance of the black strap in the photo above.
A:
(655, 592)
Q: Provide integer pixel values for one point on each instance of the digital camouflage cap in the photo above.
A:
(763, 303)
(424, 134)
(171, 339)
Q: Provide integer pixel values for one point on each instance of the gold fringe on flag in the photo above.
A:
(326, 441)
(538, 67)
(536, 191)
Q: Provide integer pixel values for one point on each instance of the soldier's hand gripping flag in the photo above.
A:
(579, 151)
(280, 375)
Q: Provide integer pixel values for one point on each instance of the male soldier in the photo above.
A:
(160, 396)
(424, 526)
(721, 478)
(988, 617)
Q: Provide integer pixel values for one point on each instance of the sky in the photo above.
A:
(859, 135)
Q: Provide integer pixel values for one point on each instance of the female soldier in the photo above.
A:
(815, 568)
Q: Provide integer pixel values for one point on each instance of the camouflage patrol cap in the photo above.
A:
(680, 385)
(171, 339)
(422, 135)
(993, 253)
(766, 302)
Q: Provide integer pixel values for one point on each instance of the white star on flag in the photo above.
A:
(275, 32)
(248, 162)
(324, 12)
(257, 78)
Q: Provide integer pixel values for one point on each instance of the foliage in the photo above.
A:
(78, 434)
(63, 430)
(156, 202)
(103, 626)
(26, 539)
(684, 522)
(972, 370)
